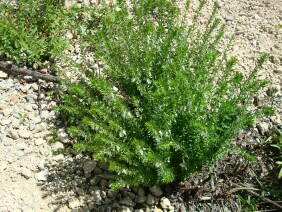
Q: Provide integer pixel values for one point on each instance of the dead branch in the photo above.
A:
(9, 68)
(250, 191)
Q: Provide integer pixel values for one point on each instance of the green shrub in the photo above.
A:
(32, 31)
(167, 102)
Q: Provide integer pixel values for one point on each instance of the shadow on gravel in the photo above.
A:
(76, 183)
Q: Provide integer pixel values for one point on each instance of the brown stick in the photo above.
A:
(257, 195)
(9, 68)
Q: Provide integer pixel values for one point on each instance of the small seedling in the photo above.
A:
(22, 118)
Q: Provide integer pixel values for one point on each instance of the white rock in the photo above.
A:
(39, 128)
(156, 191)
(41, 176)
(44, 114)
(24, 134)
(59, 157)
(263, 127)
(57, 146)
(26, 173)
(39, 141)
(75, 204)
(125, 209)
(34, 86)
(5, 122)
(278, 70)
(63, 136)
(3, 166)
(165, 203)
(3, 75)
(15, 123)
(6, 112)
(13, 134)
(21, 146)
(97, 196)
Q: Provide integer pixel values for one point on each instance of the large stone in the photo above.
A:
(156, 191)
(89, 166)
(151, 200)
(165, 203)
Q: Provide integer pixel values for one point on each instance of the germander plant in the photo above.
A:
(167, 102)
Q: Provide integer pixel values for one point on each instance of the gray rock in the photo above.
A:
(31, 125)
(89, 166)
(127, 201)
(165, 203)
(94, 181)
(80, 191)
(98, 170)
(151, 200)
(140, 199)
(41, 176)
(141, 192)
(129, 194)
(156, 191)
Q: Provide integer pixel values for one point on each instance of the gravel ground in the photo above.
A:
(34, 179)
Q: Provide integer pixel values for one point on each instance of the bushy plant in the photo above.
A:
(167, 102)
(32, 31)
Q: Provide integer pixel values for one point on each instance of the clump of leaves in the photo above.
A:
(32, 31)
(167, 102)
